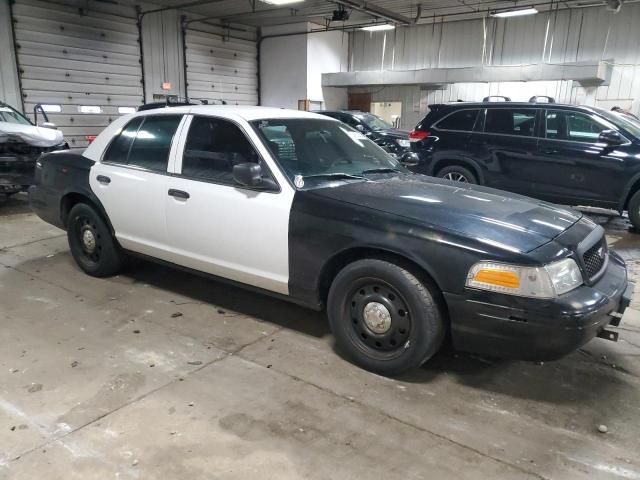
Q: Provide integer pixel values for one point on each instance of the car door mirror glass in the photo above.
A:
(250, 175)
(611, 137)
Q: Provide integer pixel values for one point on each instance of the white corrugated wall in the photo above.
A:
(583, 34)
(222, 64)
(9, 87)
(78, 58)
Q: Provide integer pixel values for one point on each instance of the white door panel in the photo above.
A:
(231, 232)
(134, 201)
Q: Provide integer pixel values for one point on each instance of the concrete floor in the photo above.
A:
(160, 374)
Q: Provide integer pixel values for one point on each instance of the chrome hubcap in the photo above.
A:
(377, 317)
(88, 240)
(456, 177)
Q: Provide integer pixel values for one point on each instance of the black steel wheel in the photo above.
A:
(383, 317)
(92, 245)
(380, 317)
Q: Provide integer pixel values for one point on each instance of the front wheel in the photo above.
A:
(92, 246)
(383, 317)
(634, 211)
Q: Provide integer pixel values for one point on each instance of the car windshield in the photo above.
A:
(323, 149)
(630, 124)
(374, 122)
(9, 115)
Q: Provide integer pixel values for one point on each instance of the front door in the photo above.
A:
(131, 182)
(506, 148)
(219, 227)
(575, 166)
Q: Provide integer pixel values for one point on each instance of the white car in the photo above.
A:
(304, 207)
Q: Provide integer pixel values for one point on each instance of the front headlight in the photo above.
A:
(403, 143)
(537, 282)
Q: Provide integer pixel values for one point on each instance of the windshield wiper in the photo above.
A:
(335, 175)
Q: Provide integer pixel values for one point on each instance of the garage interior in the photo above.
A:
(158, 373)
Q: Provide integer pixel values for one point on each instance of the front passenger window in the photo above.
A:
(213, 147)
(573, 126)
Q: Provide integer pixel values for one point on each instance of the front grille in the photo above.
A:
(594, 259)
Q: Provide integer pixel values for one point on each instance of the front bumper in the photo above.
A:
(16, 173)
(535, 329)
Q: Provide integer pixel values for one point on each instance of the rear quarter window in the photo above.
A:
(462, 120)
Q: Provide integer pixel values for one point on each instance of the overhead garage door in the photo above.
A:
(220, 67)
(87, 61)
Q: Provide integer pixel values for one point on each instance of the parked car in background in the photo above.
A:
(21, 143)
(391, 139)
(310, 210)
(566, 154)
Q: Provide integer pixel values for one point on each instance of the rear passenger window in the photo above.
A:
(508, 121)
(213, 147)
(118, 151)
(463, 121)
(152, 143)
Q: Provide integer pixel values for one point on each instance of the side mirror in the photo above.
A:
(50, 125)
(611, 137)
(360, 128)
(250, 175)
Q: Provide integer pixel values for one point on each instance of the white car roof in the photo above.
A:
(247, 113)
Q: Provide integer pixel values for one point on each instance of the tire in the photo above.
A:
(411, 333)
(457, 173)
(634, 210)
(93, 247)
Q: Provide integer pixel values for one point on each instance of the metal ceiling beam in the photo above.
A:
(374, 10)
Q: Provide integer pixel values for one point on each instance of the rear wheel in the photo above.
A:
(634, 210)
(457, 173)
(383, 317)
(92, 245)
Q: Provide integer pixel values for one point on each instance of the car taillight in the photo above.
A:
(418, 135)
(90, 138)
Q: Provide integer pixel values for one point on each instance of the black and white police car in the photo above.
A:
(306, 208)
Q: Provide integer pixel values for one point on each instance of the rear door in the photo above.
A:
(506, 148)
(452, 135)
(577, 167)
(217, 226)
(131, 182)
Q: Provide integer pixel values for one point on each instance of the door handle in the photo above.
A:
(178, 194)
(103, 179)
(550, 151)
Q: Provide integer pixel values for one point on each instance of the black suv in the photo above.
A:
(567, 154)
(394, 141)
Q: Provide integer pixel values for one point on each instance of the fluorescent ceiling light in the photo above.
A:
(378, 28)
(282, 2)
(515, 13)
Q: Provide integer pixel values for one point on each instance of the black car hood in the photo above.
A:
(500, 219)
(393, 133)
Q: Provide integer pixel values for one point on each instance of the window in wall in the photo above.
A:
(152, 143)
(507, 121)
(213, 147)
(463, 120)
